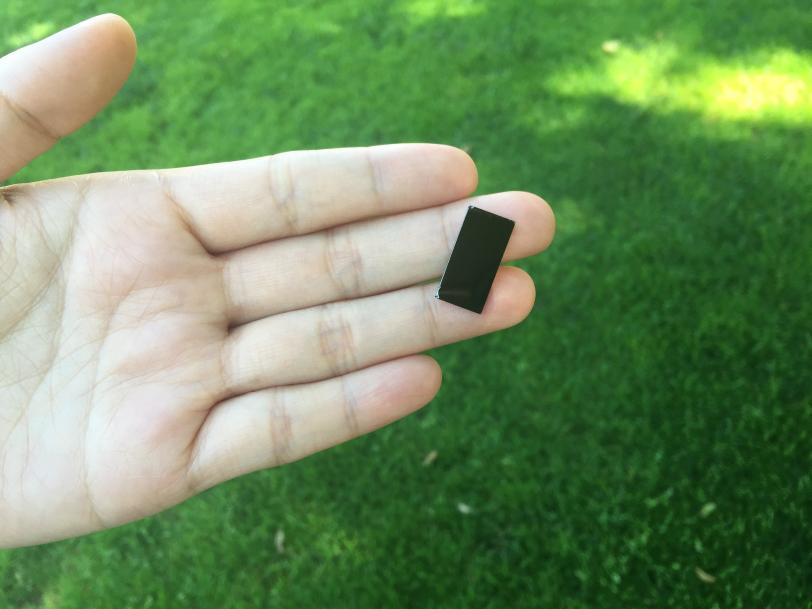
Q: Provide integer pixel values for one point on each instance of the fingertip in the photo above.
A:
(430, 374)
(414, 379)
(512, 297)
(114, 39)
(397, 388)
(535, 222)
(455, 167)
(122, 34)
(468, 173)
(548, 224)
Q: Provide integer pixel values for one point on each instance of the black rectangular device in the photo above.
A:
(475, 259)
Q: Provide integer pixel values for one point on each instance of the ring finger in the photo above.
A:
(330, 340)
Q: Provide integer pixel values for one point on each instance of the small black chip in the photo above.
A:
(475, 259)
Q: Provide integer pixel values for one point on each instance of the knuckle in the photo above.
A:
(336, 341)
(375, 179)
(282, 190)
(349, 408)
(233, 372)
(343, 261)
(28, 119)
(281, 429)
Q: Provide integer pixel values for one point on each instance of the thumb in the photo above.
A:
(52, 87)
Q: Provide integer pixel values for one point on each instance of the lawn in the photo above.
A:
(644, 439)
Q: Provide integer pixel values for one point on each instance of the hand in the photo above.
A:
(164, 331)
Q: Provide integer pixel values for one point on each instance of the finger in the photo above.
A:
(50, 88)
(275, 426)
(369, 257)
(329, 340)
(237, 204)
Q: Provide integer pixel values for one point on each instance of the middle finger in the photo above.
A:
(368, 257)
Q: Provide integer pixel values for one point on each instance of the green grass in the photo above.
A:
(666, 366)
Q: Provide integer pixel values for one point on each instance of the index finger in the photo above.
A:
(236, 204)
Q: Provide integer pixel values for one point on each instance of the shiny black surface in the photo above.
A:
(475, 259)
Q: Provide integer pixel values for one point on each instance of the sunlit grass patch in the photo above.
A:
(768, 84)
(782, 86)
(429, 9)
(35, 31)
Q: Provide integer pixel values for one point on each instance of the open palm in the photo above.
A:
(162, 331)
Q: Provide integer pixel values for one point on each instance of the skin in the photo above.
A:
(162, 331)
